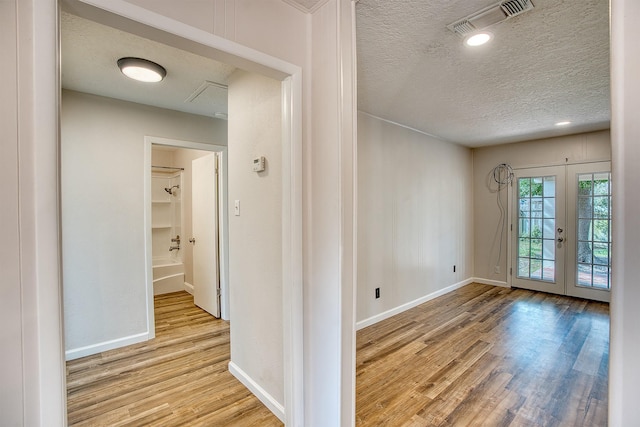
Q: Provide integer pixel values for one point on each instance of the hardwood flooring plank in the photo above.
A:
(180, 378)
(486, 356)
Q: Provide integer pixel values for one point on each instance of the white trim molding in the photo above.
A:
(348, 163)
(490, 282)
(411, 304)
(188, 287)
(268, 400)
(77, 353)
(309, 10)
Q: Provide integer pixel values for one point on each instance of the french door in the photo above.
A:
(537, 226)
(561, 230)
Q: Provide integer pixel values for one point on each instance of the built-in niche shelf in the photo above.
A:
(166, 213)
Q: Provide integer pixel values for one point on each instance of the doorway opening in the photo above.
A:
(196, 249)
(287, 404)
(561, 230)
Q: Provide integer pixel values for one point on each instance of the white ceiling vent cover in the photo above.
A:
(490, 16)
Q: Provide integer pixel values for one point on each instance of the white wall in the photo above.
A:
(624, 373)
(104, 264)
(329, 199)
(11, 378)
(43, 375)
(31, 355)
(580, 148)
(415, 217)
(255, 236)
(269, 26)
(323, 45)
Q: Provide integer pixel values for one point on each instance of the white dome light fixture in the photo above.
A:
(564, 123)
(141, 69)
(478, 39)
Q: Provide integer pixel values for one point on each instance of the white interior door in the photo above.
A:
(204, 187)
(538, 229)
(589, 230)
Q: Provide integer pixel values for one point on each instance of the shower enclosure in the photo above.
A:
(166, 226)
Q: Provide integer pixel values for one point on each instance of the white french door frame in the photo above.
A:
(557, 286)
(572, 287)
(570, 236)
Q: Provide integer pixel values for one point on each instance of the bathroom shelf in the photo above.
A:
(166, 214)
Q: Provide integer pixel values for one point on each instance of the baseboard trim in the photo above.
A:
(268, 400)
(406, 306)
(89, 350)
(491, 282)
(188, 287)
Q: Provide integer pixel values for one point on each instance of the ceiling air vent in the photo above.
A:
(463, 27)
(516, 7)
(490, 16)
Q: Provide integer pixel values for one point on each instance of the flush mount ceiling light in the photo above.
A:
(564, 123)
(478, 39)
(141, 69)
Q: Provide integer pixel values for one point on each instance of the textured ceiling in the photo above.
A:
(90, 52)
(544, 66)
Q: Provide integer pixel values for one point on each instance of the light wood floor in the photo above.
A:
(479, 356)
(486, 356)
(180, 378)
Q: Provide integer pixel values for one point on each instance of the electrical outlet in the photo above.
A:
(377, 293)
(496, 269)
(454, 268)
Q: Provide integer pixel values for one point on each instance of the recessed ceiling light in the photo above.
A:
(141, 69)
(563, 123)
(478, 39)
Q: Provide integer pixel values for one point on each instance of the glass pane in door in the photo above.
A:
(594, 230)
(536, 228)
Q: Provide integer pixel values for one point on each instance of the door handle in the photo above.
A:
(560, 239)
(192, 241)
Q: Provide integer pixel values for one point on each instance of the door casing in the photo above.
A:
(223, 220)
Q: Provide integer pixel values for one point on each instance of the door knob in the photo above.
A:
(192, 240)
(560, 239)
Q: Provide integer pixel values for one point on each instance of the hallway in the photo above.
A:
(179, 378)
